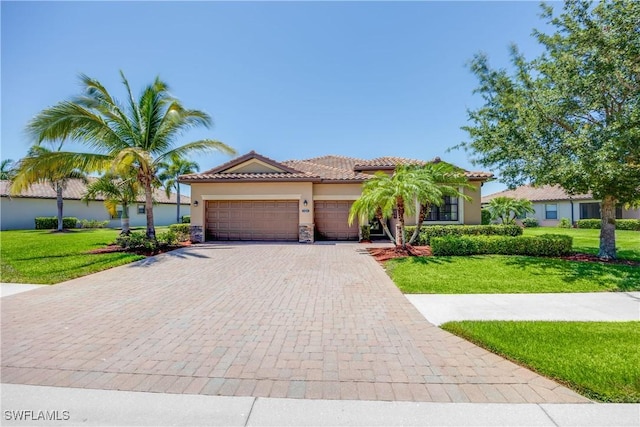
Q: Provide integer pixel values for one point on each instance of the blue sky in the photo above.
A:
(290, 80)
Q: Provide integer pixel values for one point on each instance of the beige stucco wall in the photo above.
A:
(300, 191)
(337, 191)
(473, 207)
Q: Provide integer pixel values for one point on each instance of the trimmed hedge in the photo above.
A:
(530, 222)
(621, 224)
(430, 231)
(182, 231)
(544, 245)
(46, 223)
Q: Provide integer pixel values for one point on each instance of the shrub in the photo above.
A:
(430, 231)
(168, 238)
(48, 223)
(186, 219)
(564, 223)
(182, 231)
(621, 224)
(136, 240)
(92, 223)
(544, 245)
(530, 222)
(365, 232)
(486, 217)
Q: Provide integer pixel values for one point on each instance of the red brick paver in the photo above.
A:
(278, 320)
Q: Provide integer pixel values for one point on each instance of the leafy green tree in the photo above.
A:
(38, 167)
(7, 169)
(407, 187)
(139, 135)
(507, 209)
(117, 190)
(571, 116)
(169, 177)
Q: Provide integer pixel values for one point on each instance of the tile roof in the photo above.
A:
(318, 169)
(76, 189)
(537, 194)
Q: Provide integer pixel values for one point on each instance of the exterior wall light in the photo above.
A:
(305, 202)
(195, 203)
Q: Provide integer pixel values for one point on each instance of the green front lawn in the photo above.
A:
(43, 256)
(588, 241)
(489, 274)
(598, 359)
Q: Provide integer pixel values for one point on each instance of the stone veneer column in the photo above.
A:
(305, 233)
(196, 232)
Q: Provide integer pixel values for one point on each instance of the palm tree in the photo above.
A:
(7, 170)
(507, 209)
(140, 135)
(437, 180)
(373, 203)
(116, 190)
(39, 166)
(170, 173)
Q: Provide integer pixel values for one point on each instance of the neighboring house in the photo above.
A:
(552, 203)
(256, 198)
(19, 212)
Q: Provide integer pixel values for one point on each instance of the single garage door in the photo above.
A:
(331, 219)
(252, 220)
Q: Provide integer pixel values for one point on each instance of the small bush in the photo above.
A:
(182, 231)
(365, 232)
(92, 223)
(168, 238)
(486, 217)
(564, 223)
(530, 222)
(430, 231)
(135, 241)
(186, 219)
(544, 245)
(46, 223)
(621, 224)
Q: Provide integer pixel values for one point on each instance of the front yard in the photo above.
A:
(46, 257)
(600, 360)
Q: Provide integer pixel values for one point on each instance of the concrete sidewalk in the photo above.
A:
(597, 306)
(104, 407)
(7, 289)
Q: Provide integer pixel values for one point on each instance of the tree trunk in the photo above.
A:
(148, 208)
(400, 207)
(124, 220)
(178, 204)
(608, 228)
(60, 203)
(383, 224)
(424, 211)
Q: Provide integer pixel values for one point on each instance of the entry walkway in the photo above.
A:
(597, 306)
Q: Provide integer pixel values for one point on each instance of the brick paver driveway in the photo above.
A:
(300, 321)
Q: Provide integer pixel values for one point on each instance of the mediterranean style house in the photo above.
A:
(18, 212)
(256, 198)
(552, 203)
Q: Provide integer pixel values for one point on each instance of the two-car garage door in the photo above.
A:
(275, 220)
(252, 220)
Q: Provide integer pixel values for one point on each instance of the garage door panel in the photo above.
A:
(331, 220)
(252, 220)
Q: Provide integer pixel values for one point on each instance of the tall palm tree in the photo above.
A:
(139, 135)
(437, 180)
(170, 173)
(507, 209)
(7, 169)
(39, 166)
(117, 191)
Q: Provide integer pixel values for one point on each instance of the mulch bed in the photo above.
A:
(385, 254)
(594, 258)
(115, 248)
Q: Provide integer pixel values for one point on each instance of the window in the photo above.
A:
(141, 210)
(551, 211)
(447, 212)
(589, 210)
(118, 214)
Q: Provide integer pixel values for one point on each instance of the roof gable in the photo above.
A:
(251, 162)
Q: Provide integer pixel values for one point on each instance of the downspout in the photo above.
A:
(572, 215)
